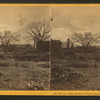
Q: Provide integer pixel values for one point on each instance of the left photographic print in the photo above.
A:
(25, 47)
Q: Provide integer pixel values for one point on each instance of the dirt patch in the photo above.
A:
(75, 74)
(24, 75)
(65, 79)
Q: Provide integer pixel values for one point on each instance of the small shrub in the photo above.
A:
(60, 75)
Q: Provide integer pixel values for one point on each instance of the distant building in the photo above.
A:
(60, 49)
(43, 46)
(68, 44)
(68, 48)
(56, 47)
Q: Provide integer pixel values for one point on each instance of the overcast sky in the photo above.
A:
(70, 19)
(66, 19)
(16, 18)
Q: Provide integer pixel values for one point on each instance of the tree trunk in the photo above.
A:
(4, 48)
(85, 49)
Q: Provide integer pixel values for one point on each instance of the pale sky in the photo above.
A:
(70, 19)
(66, 19)
(16, 18)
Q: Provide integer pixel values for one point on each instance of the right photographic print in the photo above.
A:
(75, 48)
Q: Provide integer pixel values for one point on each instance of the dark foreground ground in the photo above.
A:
(81, 73)
(24, 75)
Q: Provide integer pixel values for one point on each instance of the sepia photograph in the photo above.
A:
(75, 48)
(25, 47)
(49, 48)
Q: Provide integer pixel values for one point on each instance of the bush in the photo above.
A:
(31, 57)
(61, 75)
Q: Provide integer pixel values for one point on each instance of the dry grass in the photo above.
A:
(24, 75)
(89, 68)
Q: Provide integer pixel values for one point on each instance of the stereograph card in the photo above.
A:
(49, 49)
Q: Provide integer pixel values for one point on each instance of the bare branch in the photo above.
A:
(7, 38)
(38, 31)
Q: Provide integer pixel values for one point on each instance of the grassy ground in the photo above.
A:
(88, 68)
(24, 75)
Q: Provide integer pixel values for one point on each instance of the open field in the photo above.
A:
(24, 75)
(77, 74)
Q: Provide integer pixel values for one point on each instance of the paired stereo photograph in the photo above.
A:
(49, 47)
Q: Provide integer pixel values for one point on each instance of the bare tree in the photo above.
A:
(86, 39)
(38, 31)
(7, 38)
